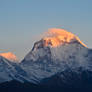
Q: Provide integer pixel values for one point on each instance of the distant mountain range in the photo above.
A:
(57, 62)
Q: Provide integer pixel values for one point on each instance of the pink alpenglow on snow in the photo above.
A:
(10, 56)
(58, 37)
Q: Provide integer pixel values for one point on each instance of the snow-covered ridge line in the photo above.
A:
(10, 56)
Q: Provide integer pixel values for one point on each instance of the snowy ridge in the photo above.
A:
(11, 71)
(10, 56)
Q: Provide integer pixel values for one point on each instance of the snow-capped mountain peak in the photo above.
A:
(10, 56)
(56, 44)
(56, 37)
(56, 52)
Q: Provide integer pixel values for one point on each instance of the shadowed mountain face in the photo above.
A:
(58, 62)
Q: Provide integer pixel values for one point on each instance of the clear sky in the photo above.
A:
(22, 20)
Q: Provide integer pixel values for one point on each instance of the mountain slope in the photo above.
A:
(11, 71)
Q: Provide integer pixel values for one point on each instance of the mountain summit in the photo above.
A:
(57, 44)
(10, 56)
(56, 37)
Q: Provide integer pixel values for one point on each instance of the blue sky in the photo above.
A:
(22, 20)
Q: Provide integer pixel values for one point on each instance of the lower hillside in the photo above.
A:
(15, 86)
